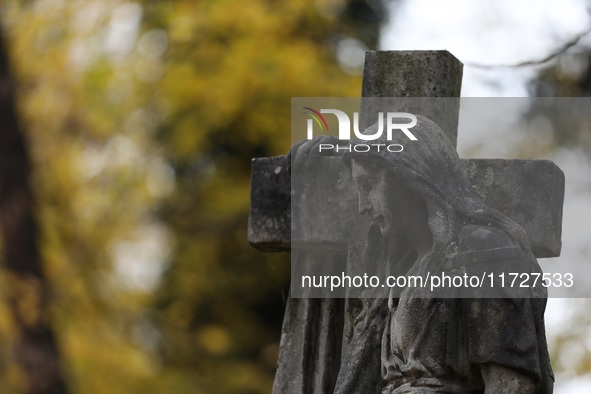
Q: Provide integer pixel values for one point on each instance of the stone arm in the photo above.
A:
(502, 380)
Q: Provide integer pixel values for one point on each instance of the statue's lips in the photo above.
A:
(379, 220)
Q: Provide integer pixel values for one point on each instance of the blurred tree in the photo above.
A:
(142, 119)
(232, 68)
(570, 76)
(27, 290)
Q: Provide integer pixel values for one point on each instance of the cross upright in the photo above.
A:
(317, 331)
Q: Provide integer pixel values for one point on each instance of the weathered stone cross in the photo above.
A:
(316, 331)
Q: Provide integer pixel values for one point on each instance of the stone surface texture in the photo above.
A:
(432, 78)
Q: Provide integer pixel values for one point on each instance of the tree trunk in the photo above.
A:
(27, 293)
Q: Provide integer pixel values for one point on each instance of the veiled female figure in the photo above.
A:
(427, 218)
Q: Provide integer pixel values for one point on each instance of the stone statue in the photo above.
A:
(427, 218)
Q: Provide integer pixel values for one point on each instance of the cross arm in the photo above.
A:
(531, 192)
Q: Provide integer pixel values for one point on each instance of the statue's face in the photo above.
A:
(389, 203)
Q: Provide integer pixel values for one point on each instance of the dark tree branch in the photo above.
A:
(558, 52)
(28, 292)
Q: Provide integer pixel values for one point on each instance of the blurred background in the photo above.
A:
(126, 134)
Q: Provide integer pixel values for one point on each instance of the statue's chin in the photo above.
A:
(386, 231)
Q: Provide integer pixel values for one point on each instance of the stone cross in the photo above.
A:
(316, 331)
